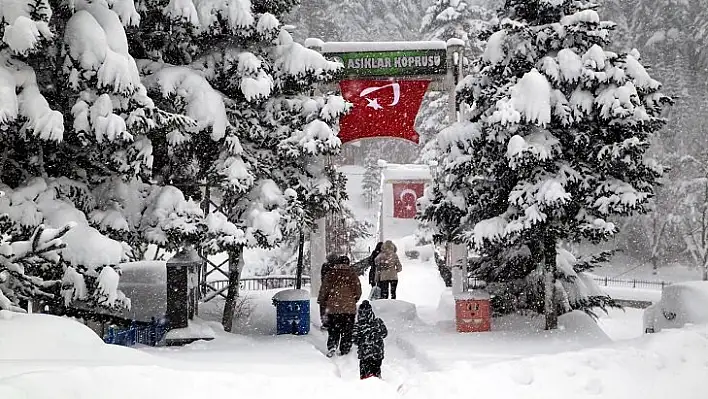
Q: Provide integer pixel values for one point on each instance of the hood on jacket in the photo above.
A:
(341, 262)
(365, 311)
(389, 246)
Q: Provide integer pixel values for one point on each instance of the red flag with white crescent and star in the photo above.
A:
(382, 108)
(405, 197)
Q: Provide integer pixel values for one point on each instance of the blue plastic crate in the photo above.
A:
(292, 317)
(146, 334)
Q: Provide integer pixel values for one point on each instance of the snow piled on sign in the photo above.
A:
(345, 47)
(392, 172)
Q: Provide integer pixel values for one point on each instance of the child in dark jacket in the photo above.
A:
(369, 334)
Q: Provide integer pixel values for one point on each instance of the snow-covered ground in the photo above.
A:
(49, 357)
(625, 267)
(425, 358)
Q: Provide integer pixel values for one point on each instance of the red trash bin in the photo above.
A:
(473, 311)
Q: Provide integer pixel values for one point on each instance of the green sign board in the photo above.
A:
(392, 63)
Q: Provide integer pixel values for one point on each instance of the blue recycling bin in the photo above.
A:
(292, 309)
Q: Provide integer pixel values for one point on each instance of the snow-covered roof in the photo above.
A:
(343, 47)
(393, 172)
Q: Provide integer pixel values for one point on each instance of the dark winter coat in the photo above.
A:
(340, 290)
(372, 264)
(387, 263)
(369, 333)
(327, 266)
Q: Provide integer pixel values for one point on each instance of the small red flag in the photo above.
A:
(382, 108)
(405, 197)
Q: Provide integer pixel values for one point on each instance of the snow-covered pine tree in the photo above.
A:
(371, 182)
(261, 134)
(73, 116)
(554, 147)
(468, 20)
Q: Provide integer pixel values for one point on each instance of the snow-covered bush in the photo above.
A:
(371, 183)
(554, 146)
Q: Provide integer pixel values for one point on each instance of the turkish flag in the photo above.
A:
(382, 108)
(405, 196)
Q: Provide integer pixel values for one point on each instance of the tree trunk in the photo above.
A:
(655, 264)
(705, 273)
(230, 303)
(549, 283)
(300, 260)
(3, 159)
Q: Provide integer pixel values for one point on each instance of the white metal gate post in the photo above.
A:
(318, 237)
(456, 254)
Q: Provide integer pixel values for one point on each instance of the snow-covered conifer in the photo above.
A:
(260, 136)
(554, 146)
(75, 115)
(467, 20)
(371, 182)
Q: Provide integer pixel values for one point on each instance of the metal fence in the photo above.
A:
(261, 283)
(633, 283)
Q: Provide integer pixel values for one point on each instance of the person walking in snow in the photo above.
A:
(340, 292)
(387, 268)
(369, 334)
(326, 267)
(372, 264)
